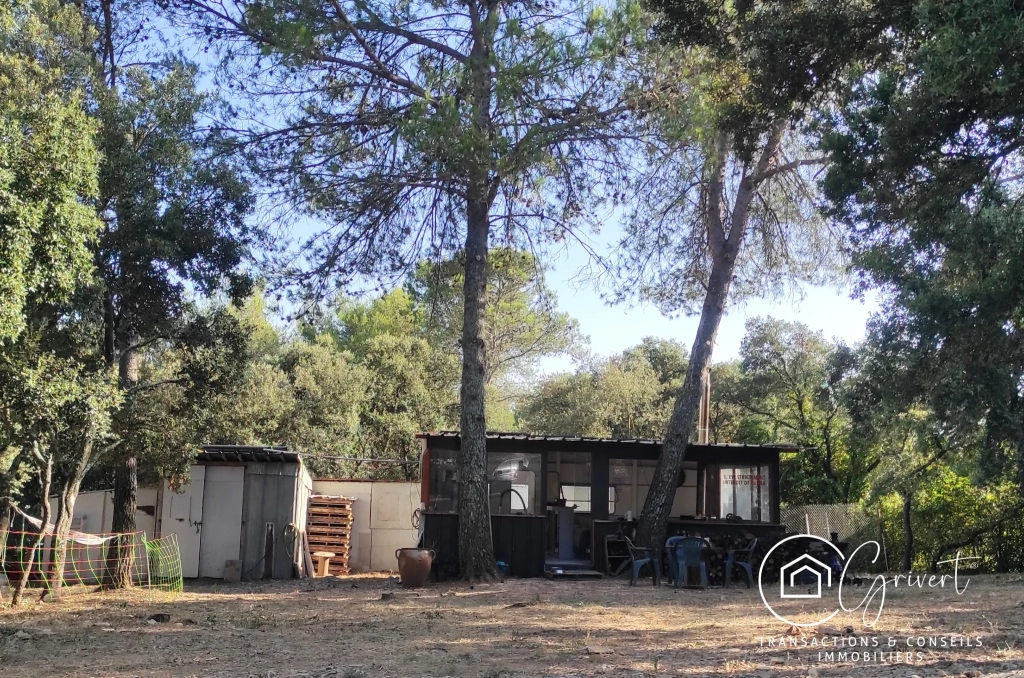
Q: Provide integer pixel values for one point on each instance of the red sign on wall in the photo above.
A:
(739, 478)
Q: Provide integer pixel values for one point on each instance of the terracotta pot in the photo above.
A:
(414, 566)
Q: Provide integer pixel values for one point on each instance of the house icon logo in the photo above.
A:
(805, 576)
(793, 574)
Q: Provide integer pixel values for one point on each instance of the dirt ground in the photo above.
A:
(342, 628)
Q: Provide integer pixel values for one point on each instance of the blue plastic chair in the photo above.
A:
(690, 552)
(741, 558)
(670, 548)
(640, 556)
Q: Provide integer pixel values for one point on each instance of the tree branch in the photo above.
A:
(781, 169)
(378, 26)
(371, 54)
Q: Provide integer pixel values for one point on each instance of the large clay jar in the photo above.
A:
(414, 566)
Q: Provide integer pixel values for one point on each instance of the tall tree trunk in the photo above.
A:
(658, 506)
(121, 552)
(476, 551)
(66, 498)
(11, 463)
(61, 529)
(5, 527)
(725, 240)
(45, 480)
(908, 532)
(109, 321)
(6, 502)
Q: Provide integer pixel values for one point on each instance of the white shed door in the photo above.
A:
(222, 519)
(182, 515)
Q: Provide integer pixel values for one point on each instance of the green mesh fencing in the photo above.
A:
(164, 560)
(88, 558)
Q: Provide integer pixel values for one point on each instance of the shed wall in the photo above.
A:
(271, 496)
(382, 520)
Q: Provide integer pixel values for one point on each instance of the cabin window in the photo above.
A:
(514, 481)
(744, 492)
(631, 479)
(444, 482)
(579, 496)
(569, 469)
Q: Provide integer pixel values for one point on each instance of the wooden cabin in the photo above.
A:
(556, 501)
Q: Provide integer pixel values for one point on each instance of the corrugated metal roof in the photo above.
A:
(247, 453)
(501, 435)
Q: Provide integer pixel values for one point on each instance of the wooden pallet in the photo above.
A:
(329, 528)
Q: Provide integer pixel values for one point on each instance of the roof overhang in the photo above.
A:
(247, 453)
(648, 446)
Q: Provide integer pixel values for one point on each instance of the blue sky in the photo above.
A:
(614, 328)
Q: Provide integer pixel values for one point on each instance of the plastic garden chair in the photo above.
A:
(690, 552)
(741, 558)
(670, 550)
(616, 555)
(640, 556)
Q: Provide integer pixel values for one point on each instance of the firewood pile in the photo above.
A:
(329, 528)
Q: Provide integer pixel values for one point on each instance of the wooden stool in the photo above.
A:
(323, 560)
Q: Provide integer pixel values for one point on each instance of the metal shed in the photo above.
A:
(242, 503)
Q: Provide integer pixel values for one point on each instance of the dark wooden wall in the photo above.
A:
(518, 542)
(441, 534)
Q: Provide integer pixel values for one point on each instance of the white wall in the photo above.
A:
(94, 514)
(382, 520)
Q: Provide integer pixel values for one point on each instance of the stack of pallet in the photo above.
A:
(329, 528)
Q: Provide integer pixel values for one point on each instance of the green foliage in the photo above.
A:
(361, 384)
(395, 313)
(626, 396)
(169, 412)
(735, 84)
(952, 513)
(521, 324)
(326, 391)
(175, 210)
(256, 410)
(925, 150)
(51, 397)
(58, 399)
(793, 381)
(730, 421)
(410, 389)
(932, 124)
(48, 158)
(757, 62)
(361, 390)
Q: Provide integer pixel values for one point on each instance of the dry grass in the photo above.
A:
(339, 628)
